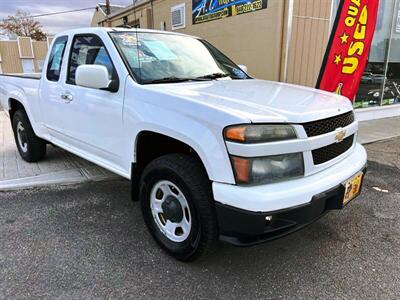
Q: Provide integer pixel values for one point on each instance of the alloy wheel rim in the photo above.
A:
(170, 211)
(21, 137)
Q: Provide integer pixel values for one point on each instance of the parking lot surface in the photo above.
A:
(88, 241)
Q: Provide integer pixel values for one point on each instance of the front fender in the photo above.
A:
(204, 138)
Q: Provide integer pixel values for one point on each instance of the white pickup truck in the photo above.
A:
(211, 152)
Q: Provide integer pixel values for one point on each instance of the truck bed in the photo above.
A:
(36, 76)
(24, 85)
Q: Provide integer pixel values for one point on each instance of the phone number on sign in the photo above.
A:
(248, 7)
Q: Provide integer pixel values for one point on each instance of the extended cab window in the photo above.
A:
(89, 50)
(55, 59)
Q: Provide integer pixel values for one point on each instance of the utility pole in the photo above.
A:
(108, 7)
(108, 11)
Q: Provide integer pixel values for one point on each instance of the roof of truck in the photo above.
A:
(115, 29)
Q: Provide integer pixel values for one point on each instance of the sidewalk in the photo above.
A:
(377, 130)
(60, 166)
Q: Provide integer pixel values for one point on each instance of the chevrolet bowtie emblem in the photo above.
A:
(340, 135)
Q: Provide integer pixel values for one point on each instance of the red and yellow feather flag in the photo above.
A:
(348, 49)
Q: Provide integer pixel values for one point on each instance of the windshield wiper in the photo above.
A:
(173, 79)
(214, 76)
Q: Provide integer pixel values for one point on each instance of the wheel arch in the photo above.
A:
(149, 144)
(14, 104)
(146, 148)
(18, 101)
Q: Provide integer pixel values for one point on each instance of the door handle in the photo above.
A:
(67, 97)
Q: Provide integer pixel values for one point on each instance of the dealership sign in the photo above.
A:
(209, 10)
(348, 49)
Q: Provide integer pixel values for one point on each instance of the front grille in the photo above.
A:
(329, 152)
(328, 125)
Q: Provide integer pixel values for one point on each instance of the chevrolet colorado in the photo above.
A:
(211, 152)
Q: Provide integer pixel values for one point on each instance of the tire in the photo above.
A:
(30, 147)
(169, 178)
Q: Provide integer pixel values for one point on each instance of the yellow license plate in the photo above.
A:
(352, 187)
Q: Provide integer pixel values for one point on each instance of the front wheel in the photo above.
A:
(177, 206)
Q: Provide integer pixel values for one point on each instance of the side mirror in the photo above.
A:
(243, 68)
(93, 76)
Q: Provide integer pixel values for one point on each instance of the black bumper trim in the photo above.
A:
(245, 228)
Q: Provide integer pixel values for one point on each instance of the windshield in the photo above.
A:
(159, 57)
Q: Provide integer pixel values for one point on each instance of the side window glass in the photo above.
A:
(89, 50)
(56, 58)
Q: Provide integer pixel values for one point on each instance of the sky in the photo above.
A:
(56, 23)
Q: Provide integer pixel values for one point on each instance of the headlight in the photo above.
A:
(251, 134)
(263, 170)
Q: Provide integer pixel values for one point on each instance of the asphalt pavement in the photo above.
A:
(89, 241)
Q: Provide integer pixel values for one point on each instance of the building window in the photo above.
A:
(178, 18)
(380, 83)
(163, 26)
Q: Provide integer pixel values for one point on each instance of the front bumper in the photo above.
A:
(246, 228)
(296, 192)
(242, 211)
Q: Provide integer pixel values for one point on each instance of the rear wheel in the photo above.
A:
(178, 207)
(30, 147)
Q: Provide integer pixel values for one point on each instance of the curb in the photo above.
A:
(380, 139)
(62, 177)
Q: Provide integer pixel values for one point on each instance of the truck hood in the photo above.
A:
(260, 100)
